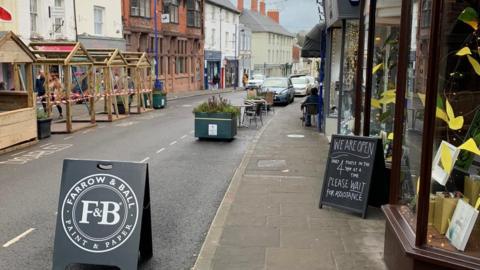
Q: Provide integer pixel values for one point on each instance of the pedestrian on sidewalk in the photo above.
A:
(311, 99)
(40, 89)
(245, 78)
(215, 81)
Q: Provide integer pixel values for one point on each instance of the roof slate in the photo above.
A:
(260, 23)
(225, 4)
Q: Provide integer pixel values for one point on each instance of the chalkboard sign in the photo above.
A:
(349, 171)
(103, 214)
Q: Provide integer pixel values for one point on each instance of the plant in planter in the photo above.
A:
(44, 124)
(159, 99)
(216, 119)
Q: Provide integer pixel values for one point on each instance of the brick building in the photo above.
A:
(181, 39)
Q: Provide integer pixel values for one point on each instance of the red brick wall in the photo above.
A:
(141, 30)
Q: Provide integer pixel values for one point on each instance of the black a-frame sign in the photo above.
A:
(103, 215)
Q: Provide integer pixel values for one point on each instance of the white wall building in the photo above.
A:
(99, 22)
(271, 43)
(221, 43)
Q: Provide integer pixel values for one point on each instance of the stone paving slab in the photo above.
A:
(270, 219)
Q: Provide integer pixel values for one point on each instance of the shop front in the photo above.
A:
(231, 72)
(416, 86)
(342, 47)
(212, 68)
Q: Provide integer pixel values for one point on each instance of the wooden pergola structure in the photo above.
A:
(18, 118)
(111, 83)
(67, 56)
(139, 69)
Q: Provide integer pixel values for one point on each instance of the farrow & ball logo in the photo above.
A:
(99, 213)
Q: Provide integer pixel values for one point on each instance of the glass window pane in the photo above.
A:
(455, 173)
(349, 72)
(335, 55)
(384, 73)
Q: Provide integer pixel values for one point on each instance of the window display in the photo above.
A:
(384, 72)
(335, 56)
(455, 181)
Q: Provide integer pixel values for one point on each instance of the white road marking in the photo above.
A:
(186, 105)
(126, 124)
(145, 160)
(161, 150)
(67, 138)
(183, 137)
(101, 126)
(174, 142)
(14, 240)
(45, 144)
(16, 154)
(87, 131)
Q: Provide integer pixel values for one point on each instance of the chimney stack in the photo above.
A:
(274, 15)
(262, 7)
(254, 6)
(240, 5)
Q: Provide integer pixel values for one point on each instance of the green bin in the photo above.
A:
(159, 100)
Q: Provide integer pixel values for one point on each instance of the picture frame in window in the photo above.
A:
(440, 171)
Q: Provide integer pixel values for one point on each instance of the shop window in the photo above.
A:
(335, 54)
(384, 72)
(455, 180)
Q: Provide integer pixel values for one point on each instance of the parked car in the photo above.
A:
(256, 81)
(312, 82)
(301, 85)
(283, 88)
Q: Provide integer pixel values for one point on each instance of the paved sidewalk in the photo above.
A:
(269, 218)
(173, 96)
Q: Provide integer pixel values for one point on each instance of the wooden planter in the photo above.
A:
(215, 126)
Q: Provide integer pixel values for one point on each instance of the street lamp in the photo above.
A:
(158, 84)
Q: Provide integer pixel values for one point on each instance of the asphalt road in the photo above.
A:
(188, 179)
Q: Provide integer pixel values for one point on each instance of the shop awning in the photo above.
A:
(313, 42)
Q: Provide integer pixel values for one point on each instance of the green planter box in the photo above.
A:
(215, 125)
(159, 100)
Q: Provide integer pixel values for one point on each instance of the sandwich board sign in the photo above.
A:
(355, 170)
(103, 214)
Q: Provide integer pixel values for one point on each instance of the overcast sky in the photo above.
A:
(295, 15)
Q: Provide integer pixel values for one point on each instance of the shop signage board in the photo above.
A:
(351, 165)
(103, 214)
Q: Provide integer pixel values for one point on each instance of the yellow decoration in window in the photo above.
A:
(389, 93)
(464, 51)
(475, 64)
(454, 123)
(390, 136)
(376, 103)
(387, 100)
(470, 146)
(477, 204)
(377, 68)
(446, 158)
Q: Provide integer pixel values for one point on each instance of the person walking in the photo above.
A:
(56, 95)
(40, 89)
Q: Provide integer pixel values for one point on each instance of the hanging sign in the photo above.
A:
(103, 214)
(352, 164)
(165, 18)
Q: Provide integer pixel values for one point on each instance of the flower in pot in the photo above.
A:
(44, 123)
(216, 119)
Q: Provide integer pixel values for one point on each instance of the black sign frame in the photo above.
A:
(374, 175)
(88, 184)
